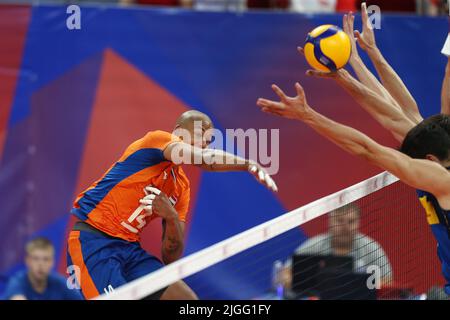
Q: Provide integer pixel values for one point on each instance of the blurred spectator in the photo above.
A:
(346, 5)
(38, 282)
(432, 7)
(313, 6)
(344, 239)
(216, 5)
(392, 6)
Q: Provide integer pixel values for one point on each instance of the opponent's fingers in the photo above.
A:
(265, 103)
(345, 23)
(300, 91)
(351, 22)
(364, 14)
(360, 38)
(272, 111)
(279, 92)
(319, 74)
(153, 190)
(301, 50)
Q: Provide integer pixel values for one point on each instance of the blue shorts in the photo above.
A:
(106, 263)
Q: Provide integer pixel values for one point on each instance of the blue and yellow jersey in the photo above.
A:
(438, 219)
(111, 204)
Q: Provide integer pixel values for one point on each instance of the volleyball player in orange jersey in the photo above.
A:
(146, 183)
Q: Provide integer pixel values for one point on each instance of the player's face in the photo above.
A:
(344, 226)
(40, 263)
(202, 135)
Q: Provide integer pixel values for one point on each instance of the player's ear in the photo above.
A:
(432, 158)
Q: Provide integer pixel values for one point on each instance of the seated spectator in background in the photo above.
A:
(344, 239)
(38, 282)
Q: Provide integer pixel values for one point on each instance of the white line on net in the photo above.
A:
(227, 248)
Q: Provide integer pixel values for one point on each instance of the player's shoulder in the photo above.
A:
(158, 139)
(158, 134)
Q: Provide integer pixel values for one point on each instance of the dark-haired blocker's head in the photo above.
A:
(430, 140)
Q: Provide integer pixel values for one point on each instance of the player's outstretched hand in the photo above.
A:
(328, 75)
(262, 176)
(366, 39)
(157, 202)
(322, 74)
(288, 107)
(348, 23)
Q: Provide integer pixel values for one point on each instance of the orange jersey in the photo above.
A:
(111, 204)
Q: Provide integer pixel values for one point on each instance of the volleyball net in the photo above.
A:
(368, 241)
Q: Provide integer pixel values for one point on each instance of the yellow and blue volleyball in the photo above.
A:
(327, 48)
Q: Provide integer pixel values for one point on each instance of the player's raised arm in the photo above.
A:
(216, 161)
(378, 107)
(362, 72)
(445, 93)
(421, 174)
(390, 79)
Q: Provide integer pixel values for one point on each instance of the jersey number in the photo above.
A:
(139, 215)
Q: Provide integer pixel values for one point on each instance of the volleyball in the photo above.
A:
(327, 48)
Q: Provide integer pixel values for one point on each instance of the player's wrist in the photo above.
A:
(171, 216)
(307, 115)
(373, 51)
(355, 61)
(342, 77)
